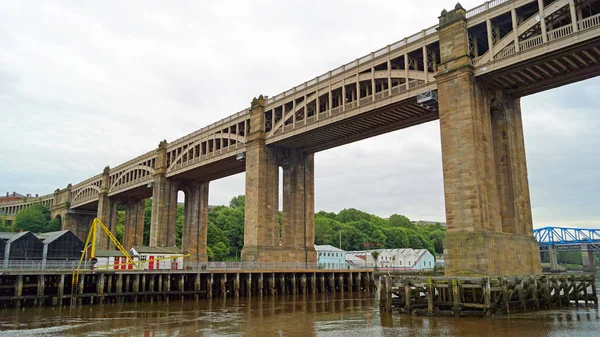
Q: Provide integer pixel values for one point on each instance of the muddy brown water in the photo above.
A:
(343, 315)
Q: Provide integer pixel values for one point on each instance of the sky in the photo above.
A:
(86, 84)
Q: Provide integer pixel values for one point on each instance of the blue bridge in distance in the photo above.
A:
(554, 239)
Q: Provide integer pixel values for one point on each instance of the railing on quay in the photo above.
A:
(24, 265)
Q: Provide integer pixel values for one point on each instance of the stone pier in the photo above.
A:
(488, 211)
(262, 241)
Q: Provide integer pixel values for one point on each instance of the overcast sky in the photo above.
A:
(85, 84)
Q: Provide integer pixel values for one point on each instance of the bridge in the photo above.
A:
(469, 71)
(554, 239)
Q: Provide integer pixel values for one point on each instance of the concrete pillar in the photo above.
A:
(553, 259)
(195, 227)
(587, 257)
(261, 227)
(164, 203)
(486, 190)
(298, 207)
(133, 231)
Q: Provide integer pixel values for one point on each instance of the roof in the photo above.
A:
(327, 248)
(19, 235)
(12, 195)
(51, 236)
(352, 257)
(108, 253)
(156, 250)
(7, 235)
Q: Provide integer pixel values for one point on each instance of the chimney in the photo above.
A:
(14, 194)
(7, 194)
(37, 195)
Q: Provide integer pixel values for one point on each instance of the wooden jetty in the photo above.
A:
(47, 288)
(464, 296)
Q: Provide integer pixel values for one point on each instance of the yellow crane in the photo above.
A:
(91, 241)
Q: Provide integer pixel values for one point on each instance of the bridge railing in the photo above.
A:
(356, 63)
(484, 7)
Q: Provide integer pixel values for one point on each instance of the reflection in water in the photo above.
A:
(346, 315)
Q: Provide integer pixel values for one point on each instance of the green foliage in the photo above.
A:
(400, 221)
(35, 218)
(120, 226)
(375, 255)
(147, 217)
(5, 225)
(359, 230)
(238, 202)
(220, 251)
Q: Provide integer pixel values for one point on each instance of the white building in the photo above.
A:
(330, 257)
(164, 258)
(353, 257)
(112, 260)
(406, 259)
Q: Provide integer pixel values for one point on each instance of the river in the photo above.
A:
(343, 315)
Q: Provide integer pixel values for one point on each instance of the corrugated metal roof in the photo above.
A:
(327, 248)
(51, 236)
(20, 235)
(7, 235)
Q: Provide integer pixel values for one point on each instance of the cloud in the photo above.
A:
(89, 84)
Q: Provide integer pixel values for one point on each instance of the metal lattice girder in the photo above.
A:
(428, 99)
(562, 235)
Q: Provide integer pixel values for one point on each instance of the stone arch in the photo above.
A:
(83, 190)
(150, 170)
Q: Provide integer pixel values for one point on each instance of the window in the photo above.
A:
(400, 262)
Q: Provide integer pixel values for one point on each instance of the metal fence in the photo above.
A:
(204, 266)
(41, 265)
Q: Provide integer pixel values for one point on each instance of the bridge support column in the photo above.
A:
(553, 259)
(164, 203)
(298, 208)
(261, 224)
(195, 227)
(133, 231)
(486, 190)
(587, 257)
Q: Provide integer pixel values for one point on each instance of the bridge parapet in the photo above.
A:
(527, 46)
(86, 191)
(11, 208)
(133, 173)
(396, 72)
(221, 139)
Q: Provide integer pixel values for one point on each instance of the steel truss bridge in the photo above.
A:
(567, 239)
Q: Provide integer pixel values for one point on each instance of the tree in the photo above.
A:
(396, 237)
(120, 226)
(238, 201)
(400, 221)
(352, 214)
(5, 225)
(35, 218)
(220, 251)
(375, 255)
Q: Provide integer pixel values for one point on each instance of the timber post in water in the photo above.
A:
(48, 288)
(468, 296)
